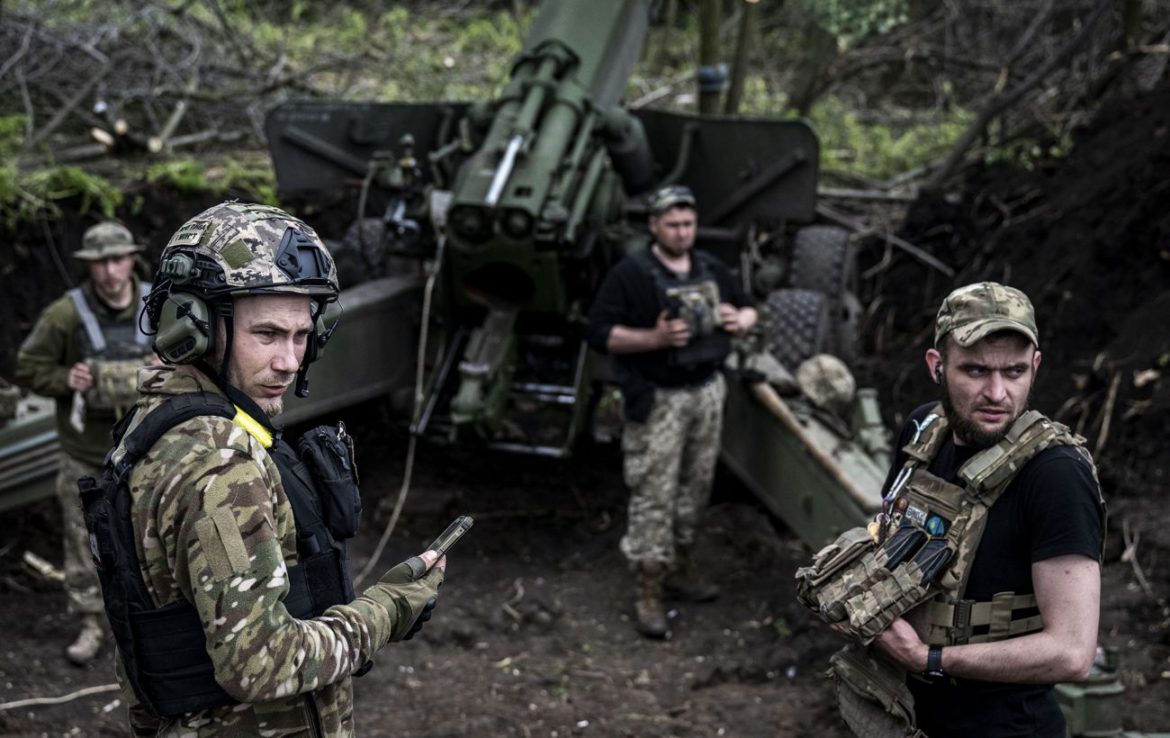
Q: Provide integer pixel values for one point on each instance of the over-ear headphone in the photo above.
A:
(186, 328)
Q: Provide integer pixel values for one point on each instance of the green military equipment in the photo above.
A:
(115, 384)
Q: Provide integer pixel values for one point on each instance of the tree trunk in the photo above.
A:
(709, 92)
(743, 42)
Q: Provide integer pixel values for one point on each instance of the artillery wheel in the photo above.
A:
(823, 260)
(796, 325)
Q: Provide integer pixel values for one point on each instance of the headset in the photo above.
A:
(184, 312)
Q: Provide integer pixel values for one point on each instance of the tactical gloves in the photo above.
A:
(409, 593)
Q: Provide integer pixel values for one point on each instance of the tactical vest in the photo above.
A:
(923, 545)
(163, 649)
(696, 301)
(114, 350)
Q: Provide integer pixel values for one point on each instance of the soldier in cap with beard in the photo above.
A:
(983, 654)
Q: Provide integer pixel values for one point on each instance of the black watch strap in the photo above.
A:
(934, 668)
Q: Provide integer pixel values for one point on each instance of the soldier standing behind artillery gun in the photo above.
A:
(85, 351)
(983, 588)
(667, 314)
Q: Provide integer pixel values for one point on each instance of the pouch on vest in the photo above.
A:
(115, 383)
(872, 695)
(328, 453)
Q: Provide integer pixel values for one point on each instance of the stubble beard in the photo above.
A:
(970, 432)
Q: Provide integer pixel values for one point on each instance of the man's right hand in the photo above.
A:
(80, 378)
(671, 332)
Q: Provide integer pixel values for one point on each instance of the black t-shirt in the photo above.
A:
(629, 296)
(1050, 509)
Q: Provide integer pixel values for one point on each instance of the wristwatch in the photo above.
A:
(934, 668)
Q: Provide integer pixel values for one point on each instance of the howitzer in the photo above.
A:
(514, 208)
(523, 202)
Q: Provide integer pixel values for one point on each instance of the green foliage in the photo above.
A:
(185, 175)
(11, 134)
(257, 183)
(781, 627)
(883, 149)
(24, 196)
(850, 20)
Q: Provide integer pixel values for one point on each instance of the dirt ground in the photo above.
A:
(533, 638)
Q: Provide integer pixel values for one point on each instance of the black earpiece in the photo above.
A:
(938, 374)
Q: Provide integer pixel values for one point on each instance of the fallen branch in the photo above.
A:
(853, 225)
(843, 193)
(1107, 413)
(1129, 555)
(32, 701)
(1001, 101)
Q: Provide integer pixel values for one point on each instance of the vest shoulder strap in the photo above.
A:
(929, 437)
(88, 319)
(990, 471)
(173, 411)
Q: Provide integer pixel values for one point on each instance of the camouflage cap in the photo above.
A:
(258, 249)
(977, 310)
(671, 196)
(106, 240)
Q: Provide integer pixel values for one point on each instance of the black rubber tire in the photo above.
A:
(823, 260)
(796, 325)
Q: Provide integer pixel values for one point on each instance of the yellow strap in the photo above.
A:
(254, 427)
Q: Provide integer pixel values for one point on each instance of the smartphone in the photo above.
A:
(454, 532)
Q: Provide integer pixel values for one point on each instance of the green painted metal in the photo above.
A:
(28, 453)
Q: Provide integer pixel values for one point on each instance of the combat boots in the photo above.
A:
(88, 642)
(648, 608)
(686, 583)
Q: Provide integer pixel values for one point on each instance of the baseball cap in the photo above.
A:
(106, 240)
(975, 311)
(671, 196)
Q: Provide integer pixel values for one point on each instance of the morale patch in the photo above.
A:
(918, 515)
(190, 234)
(936, 525)
(222, 543)
(237, 254)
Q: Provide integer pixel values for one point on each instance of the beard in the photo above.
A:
(971, 433)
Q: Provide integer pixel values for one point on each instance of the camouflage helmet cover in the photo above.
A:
(106, 240)
(257, 249)
(975, 311)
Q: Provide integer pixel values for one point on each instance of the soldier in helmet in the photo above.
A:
(221, 548)
(667, 313)
(987, 584)
(84, 352)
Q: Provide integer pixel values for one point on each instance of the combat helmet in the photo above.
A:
(231, 250)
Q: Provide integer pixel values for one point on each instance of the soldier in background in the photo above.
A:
(667, 314)
(84, 352)
(240, 618)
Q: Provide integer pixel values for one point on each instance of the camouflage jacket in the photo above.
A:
(215, 527)
(43, 363)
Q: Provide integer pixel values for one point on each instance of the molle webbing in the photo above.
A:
(980, 622)
(948, 618)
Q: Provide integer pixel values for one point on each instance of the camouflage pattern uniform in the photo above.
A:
(216, 529)
(42, 366)
(669, 464)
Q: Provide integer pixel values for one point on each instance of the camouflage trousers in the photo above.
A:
(669, 463)
(81, 582)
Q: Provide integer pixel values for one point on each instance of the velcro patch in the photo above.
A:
(190, 234)
(222, 543)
